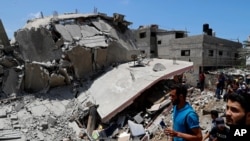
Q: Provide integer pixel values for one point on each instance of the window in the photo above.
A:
(220, 53)
(185, 52)
(210, 53)
(153, 34)
(179, 35)
(159, 42)
(143, 35)
(236, 56)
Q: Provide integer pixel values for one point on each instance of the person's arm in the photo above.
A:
(206, 136)
(215, 139)
(196, 137)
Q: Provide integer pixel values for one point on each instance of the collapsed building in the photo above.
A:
(64, 50)
(57, 50)
(125, 97)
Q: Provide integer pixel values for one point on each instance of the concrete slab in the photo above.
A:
(3, 113)
(38, 109)
(56, 107)
(5, 123)
(10, 85)
(119, 87)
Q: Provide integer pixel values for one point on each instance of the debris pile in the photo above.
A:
(80, 76)
(62, 49)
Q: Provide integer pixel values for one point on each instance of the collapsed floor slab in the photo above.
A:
(118, 88)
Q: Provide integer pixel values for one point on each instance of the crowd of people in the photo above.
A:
(186, 121)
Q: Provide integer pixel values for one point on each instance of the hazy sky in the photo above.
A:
(230, 19)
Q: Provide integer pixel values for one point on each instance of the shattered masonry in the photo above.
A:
(59, 49)
(65, 49)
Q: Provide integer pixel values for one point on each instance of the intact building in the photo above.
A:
(206, 51)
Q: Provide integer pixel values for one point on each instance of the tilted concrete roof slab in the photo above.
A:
(88, 31)
(119, 87)
(64, 32)
(95, 41)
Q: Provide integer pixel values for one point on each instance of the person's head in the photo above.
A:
(238, 109)
(214, 114)
(220, 123)
(178, 93)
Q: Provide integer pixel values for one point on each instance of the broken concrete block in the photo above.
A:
(119, 53)
(101, 25)
(136, 129)
(40, 136)
(10, 134)
(74, 30)
(8, 61)
(88, 31)
(63, 72)
(138, 118)
(3, 113)
(10, 84)
(3, 36)
(37, 44)
(82, 66)
(13, 117)
(52, 121)
(124, 136)
(100, 58)
(56, 80)
(36, 78)
(63, 31)
(19, 106)
(75, 127)
(59, 43)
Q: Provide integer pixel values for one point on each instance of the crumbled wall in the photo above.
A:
(58, 51)
(37, 45)
(81, 60)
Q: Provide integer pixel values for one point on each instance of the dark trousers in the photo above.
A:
(202, 84)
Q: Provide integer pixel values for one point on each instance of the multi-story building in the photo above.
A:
(206, 51)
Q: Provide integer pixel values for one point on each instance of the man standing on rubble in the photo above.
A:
(202, 81)
(185, 119)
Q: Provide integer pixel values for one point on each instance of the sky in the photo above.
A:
(229, 19)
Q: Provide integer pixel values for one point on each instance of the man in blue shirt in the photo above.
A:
(185, 120)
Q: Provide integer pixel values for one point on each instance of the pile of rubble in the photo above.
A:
(62, 49)
(47, 72)
(58, 115)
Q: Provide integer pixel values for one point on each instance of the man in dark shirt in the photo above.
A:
(220, 132)
(214, 115)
